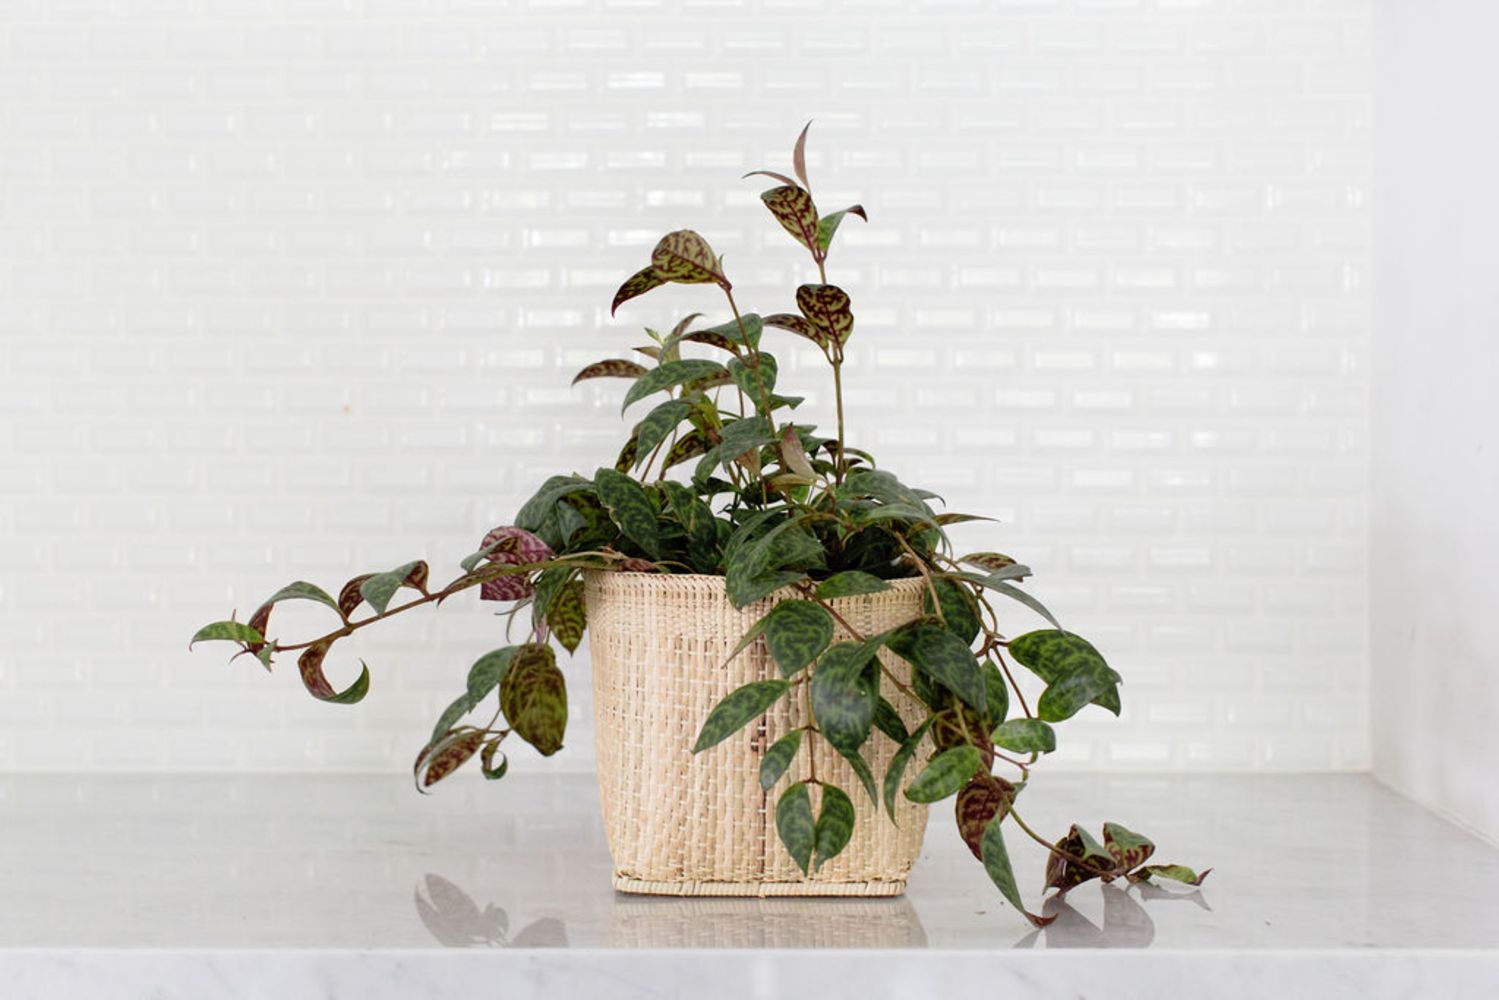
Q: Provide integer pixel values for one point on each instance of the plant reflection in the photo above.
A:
(456, 921)
(1125, 922)
(649, 922)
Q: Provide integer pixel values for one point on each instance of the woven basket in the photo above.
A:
(687, 824)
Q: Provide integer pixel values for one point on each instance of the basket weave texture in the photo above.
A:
(689, 824)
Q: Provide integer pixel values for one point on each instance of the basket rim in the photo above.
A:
(899, 583)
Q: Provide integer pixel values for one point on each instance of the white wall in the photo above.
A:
(1435, 514)
(294, 289)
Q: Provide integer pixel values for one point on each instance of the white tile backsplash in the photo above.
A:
(295, 290)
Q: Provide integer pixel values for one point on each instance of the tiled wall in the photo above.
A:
(293, 289)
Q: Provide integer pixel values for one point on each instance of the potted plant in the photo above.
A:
(789, 660)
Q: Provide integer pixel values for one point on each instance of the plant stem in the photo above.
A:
(1053, 848)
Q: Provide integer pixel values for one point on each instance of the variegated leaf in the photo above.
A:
(638, 283)
(438, 760)
(610, 368)
(828, 308)
(533, 696)
(310, 664)
(798, 325)
(828, 225)
(1128, 848)
(685, 257)
(688, 446)
(794, 210)
(568, 616)
(981, 800)
(515, 547)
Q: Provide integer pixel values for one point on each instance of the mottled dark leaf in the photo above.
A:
(533, 696)
(849, 583)
(945, 774)
(835, 824)
(747, 590)
(979, 802)
(438, 760)
(1025, 736)
(751, 380)
(379, 588)
(988, 560)
(1128, 849)
(737, 710)
(959, 608)
(310, 664)
(794, 824)
(944, 657)
(898, 763)
(1066, 873)
(487, 764)
(670, 374)
(511, 546)
(793, 209)
(685, 257)
(568, 616)
(778, 758)
(844, 694)
(996, 697)
(658, 423)
(800, 326)
(351, 596)
(888, 721)
(631, 509)
(611, 368)
(795, 632)
(688, 446)
(638, 283)
(301, 590)
(1180, 873)
(861, 770)
(483, 677)
(828, 309)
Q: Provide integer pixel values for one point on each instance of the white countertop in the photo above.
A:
(289, 887)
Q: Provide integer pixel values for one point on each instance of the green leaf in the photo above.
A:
(629, 508)
(827, 308)
(996, 696)
(747, 590)
(794, 824)
(486, 762)
(996, 860)
(736, 710)
(947, 772)
(231, 631)
(1066, 696)
(740, 436)
(1180, 873)
(795, 632)
(828, 225)
(533, 696)
(310, 666)
(483, 677)
(658, 423)
(535, 510)
(959, 608)
(752, 381)
(849, 583)
(1057, 656)
(744, 332)
(898, 763)
(888, 721)
(778, 758)
(794, 210)
(860, 767)
(568, 616)
(638, 283)
(1025, 736)
(685, 257)
(301, 590)
(1127, 848)
(1016, 594)
(835, 824)
(671, 374)
(844, 694)
(379, 588)
(978, 803)
(946, 658)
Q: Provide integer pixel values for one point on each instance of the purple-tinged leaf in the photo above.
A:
(310, 664)
(685, 257)
(443, 758)
(1128, 849)
(710, 338)
(611, 368)
(799, 156)
(378, 588)
(794, 456)
(1086, 860)
(689, 445)
(980, 801)
(988, 560)
(301, 590)
(351, 596)
(771, 174)
(515, 547)
(231, 631)
(828, 308)
(1179, 873)
(486, 762)
(828, 225)
(793, 209)
(634, 564)
(638, 283)
(630, 453)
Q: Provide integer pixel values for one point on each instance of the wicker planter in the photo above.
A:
(699, 825)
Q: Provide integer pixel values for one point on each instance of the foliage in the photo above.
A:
(720, 476)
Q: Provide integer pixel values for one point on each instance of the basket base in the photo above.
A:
(641, 887)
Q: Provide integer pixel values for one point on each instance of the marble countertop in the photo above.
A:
(296, 886)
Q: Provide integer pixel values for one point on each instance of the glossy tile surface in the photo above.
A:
(1303, 866)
